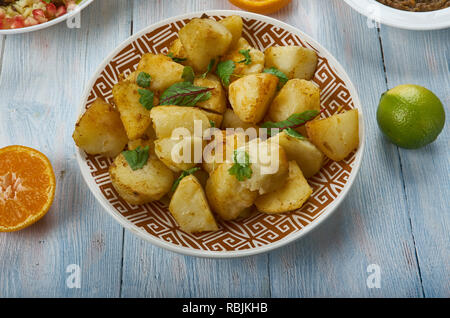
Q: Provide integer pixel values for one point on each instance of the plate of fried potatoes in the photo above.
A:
(220, 134)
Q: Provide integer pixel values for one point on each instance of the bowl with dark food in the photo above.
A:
(280, 134)
(21, 16)
(406, 14)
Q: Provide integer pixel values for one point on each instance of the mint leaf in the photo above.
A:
(294, 121)
(294, 133)
(282, 78)
(136, 158)
(144, 79)
(185, 94)
(185, 173)
(247, 58)
(224, 70)
(188, 74)
(241, 168)
(146, 99)
(210, 66)
(176, 59)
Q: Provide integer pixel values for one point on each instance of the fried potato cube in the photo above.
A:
(251, 95)
(269, 166)
(167, 118)
(234, 24)
(226, 195)
(257, 59)
(172, 152)
(162, 69)
(295, 192)
(294, 61)
(214, 118)
(308, 157)
(221, 149)
(196, 216)
(204, 40)
(141, 186)
(218, 101)
(231, 120)
(100, 131)
(336, 136)
(134, 116)
(295, 97)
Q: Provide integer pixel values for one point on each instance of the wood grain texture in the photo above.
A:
(395, 216)
(43, 76)
(425, 60)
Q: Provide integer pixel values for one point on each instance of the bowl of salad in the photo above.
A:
(21, 16)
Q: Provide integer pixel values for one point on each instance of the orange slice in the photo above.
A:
(261, 6)
(27, 187)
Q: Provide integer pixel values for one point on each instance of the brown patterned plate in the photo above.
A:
(257, 233)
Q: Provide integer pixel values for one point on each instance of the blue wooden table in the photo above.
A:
(394, 223)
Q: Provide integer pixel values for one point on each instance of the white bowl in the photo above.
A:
(255, 234)
(374, 10)
(83, 4)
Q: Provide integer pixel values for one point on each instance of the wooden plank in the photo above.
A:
(423, 58)
(44, 74)
(371, 226)
(149, 271)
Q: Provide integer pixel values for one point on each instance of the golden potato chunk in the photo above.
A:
(221, 149)
(226, 195)
(269, 166)
(234, 24)
(141, 186)
(196, 216)
(214, 118)
(218, 100)
(231, 120)
(204, 40)
(257, 59)
(100, 131)
(336, 136)
(295, 97)
(251, 95)
(179, 155)
(308, 157)
(295, 192)
(134, 116)
(163, 70)
(167, 118)
(294, 61)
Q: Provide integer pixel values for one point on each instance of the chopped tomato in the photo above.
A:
(51, 10)
(39, 15)
(61, 11)
(18, 22)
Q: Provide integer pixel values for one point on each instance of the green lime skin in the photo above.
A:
(410, 116)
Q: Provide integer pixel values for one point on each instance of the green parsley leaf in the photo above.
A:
(241, 168)
(247, 58)
(176, 59)
(185, 173)
(294, 133)
(144, 79)
(294, 121)
(282, 78)
(188, 74)
(210, 66)
(213, 124)
(146, 99)
(136, 158)
(224, 70)
(185, 94)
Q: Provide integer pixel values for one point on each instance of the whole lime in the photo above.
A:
(410, 116)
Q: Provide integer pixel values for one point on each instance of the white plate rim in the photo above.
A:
(48, 24)
(416, 21)
(240, 253)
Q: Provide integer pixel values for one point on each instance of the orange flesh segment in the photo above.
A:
(27, 186)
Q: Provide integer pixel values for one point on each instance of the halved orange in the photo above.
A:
(261, 6)
(27, 187)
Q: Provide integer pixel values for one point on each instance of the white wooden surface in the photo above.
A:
(396, 215)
